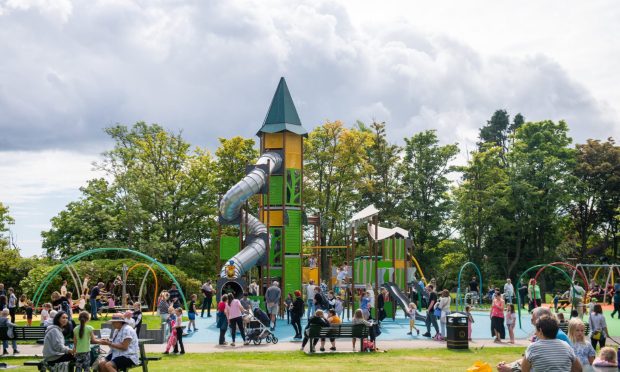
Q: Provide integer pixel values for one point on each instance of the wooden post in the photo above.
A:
(352, 298)
(376, 219)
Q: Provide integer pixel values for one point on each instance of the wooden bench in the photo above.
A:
(23, 333)
(360, 331)
(564, 327)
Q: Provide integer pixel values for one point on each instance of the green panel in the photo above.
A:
(293, 187)
(292, 269)
(275, 190)
(400, 278)
(293, 232)
(387, 249)
(275, 241)
(400, 249)
(229, 246)
(275, 272)
(384, 264)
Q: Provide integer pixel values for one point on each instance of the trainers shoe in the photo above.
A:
(232, 344)
(322, 349)
(333, 348)
(225, 343)
(182, 352)
(246, 342)
(427, 334)
(409, 333)
(15, 352)
(166, 352)
(417, 330)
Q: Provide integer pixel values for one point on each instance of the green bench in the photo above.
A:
(350, 331)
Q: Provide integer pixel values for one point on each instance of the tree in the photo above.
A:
(5, 220)
(233, 155)
(426, 205)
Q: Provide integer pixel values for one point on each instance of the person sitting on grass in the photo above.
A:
(606, 359)
(548, 353)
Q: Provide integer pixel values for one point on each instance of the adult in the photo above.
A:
(123, 346)
(174, 296)
(548, 353)
(310, 298)
(370, 292)
(12, 304)
(221, 319)
(317, 319)
(2, 290)
(163, 305)
(430, 312)
(444, 306)
(365, 305)
(582, 348)
(616, 302)
(320, 300)
(341, 275)
(576, 297)
(95, 293)
(497, 317)
(358, 318)
(5, 322)
(312, 262)
(272, 299)
(207, 291)
(54, 349)
(297, 312)
(473, 285)
(533, 292)
(63, 288)
(383, 298)
(522, 293)
(598, 327)
(235, 319)
(253, 288)
(509, 291)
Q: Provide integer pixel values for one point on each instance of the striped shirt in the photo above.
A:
(550, 356)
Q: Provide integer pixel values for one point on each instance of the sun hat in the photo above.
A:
(118, 317)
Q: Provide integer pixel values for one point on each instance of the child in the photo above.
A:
(45, 313)
(339, 307)
(137, 317)
(470, 321)
(413, 309)
(111, 302)
(511, 319)
(178, 329)
(606, 358)
(288, 303)
(191, 313)
(29, 310)
(50, 320)
(82, 302)
(561, 318)
(83, 336)
(591, 305)
(556, 300)
(128, 315)
(581, 346)
(172, 339)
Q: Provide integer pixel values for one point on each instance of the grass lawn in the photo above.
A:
(394, 360)
(152, 321)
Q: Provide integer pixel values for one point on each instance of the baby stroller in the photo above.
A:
(258, 329)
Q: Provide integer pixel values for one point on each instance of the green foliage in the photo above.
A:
(14, 268)
(5, 220)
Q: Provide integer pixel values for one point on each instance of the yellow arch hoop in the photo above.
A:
(154, 276)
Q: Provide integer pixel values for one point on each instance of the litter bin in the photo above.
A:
(456, 331)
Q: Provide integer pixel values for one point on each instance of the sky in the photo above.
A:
(209, 69)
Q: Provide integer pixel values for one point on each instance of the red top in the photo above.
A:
(221, 306)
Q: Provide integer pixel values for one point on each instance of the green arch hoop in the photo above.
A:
(458, 291)
(545, 266)
(66, 264)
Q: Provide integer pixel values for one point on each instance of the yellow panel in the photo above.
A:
(292, 160)
(275, 218)
(399, 264)
(293, 142)
(308, 273)
(274, 140)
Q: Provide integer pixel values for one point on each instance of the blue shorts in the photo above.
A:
(191, 316)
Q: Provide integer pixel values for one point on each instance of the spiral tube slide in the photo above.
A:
(230, 210)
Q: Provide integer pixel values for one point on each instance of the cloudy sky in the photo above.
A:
(209, 68)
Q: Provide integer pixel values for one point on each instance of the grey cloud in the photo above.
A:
(210, 68)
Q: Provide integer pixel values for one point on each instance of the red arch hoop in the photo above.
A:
(559, 263)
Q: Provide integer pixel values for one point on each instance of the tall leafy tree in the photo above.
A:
(5, 221)
(233, 155)
(426, 206)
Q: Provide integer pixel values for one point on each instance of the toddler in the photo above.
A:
(470, 321)
(412, 310)
(606, 358)
(511, 319)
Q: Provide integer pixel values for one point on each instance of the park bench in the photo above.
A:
(360, 331)
(144, 361)
(23, 333)
(564, 328)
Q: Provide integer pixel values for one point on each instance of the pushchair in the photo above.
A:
(258, 329)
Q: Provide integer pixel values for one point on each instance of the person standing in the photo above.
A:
(221, 320)
(497, 317)
(522, 293)
(175, 296)
(63, 288)
(253, 288)
(12, 304)
(272, 299)
(384, 298)
(509, 291)
(533, 292)
(5, 322)
(207, 291)
(94, 298)
(235, 319)
(598, 327)
(474, 291)
(430, 312)
(444, 305)
(310, 298)
(297, 312)
(576, 296)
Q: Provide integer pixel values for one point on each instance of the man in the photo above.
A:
(2, 290)
(94, 299)
(272, 299)
(430, 312)
(207, 291)
(509, 291)
(473, 290)
(175, 295)
(548, 353)
(577, 293)
(310, 298)
(12, 304)
(384, 297)
(123, 346)
(523, 293)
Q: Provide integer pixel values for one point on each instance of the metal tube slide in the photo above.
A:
(230, 209)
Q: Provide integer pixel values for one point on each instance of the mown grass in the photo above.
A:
(394, 360)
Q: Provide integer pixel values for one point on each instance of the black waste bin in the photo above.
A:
(456, 331)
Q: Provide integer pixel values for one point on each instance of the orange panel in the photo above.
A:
(274, 140)
(292, 160)
(399, 264)
(275, 218)
(292, 156)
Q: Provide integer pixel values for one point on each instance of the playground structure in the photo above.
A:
(460, 299)
(610, 280)
(68, 265)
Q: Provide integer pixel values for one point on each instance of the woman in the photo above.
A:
(54, 349)
(6, 322)
(365, 305)
(598, 326)
(297, 312)
(444, 305)
(317, 319)
(582, 348)
(163, 305)
(533, 292)
(221, 321)
(384, 297)
(497, 317)
(235, 319)
(358, 318)
(124, 349)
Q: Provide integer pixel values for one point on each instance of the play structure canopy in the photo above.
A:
(384, 233)
(365, 213)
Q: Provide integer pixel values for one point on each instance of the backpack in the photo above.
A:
(368, 345)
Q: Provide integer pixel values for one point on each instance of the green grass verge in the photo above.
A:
(394, 360)
(152, 321)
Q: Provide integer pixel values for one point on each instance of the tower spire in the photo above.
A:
(282, 115)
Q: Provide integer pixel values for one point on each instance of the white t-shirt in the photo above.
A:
(121, 335)
(509, 290)
(310, 291)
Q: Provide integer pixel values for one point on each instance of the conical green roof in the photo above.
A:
(282, 115)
